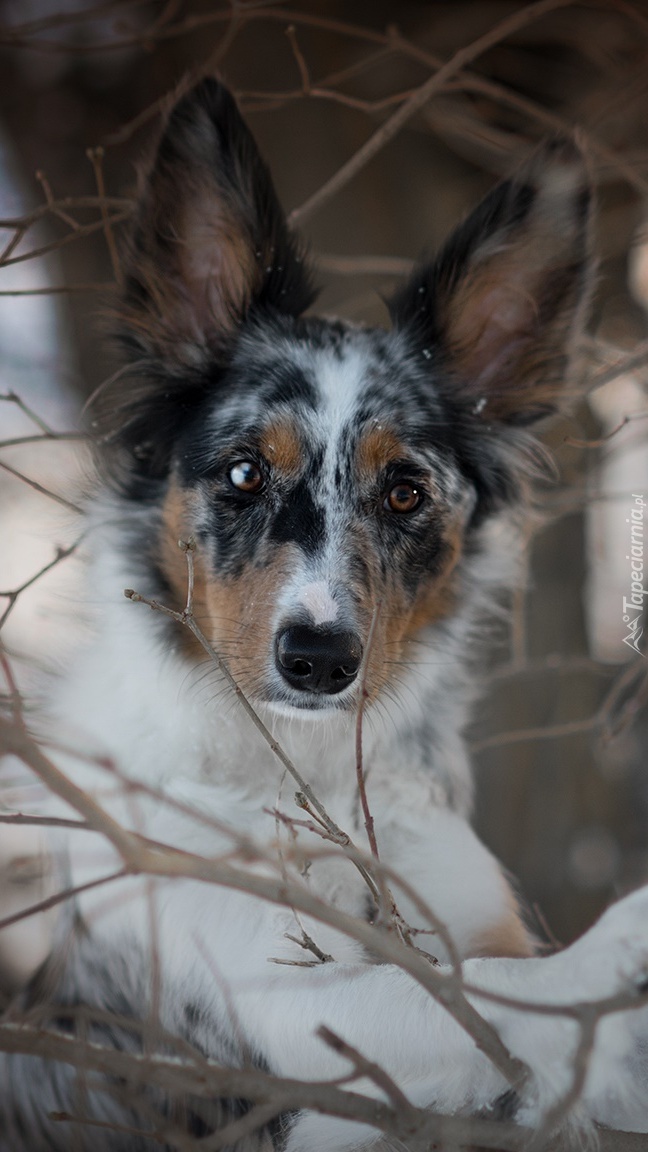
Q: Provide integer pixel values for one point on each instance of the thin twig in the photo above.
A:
(61, 897)
(291, 33)
(12, 596)
(360, 769)
(17, 441)
(39, 488)
(59, 289)
(14, 398)
(96, 156)
(44, 821)
(373, 1071)
(574, 442)
(63, 241)
(60, 206)
(562, 1108)
(52, 205)
(363, 265)
(419, 99)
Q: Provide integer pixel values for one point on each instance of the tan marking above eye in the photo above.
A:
(280, 446)
(246, 476)
(377, 448)
(402, 497)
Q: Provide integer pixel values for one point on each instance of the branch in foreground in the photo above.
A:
(419, 1128)
(141, 858)
(162, 860)
(373, 875)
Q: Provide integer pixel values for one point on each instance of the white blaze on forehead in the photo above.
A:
(340, 378)
(316, 599)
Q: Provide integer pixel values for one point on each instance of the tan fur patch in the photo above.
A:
(216, 262)
(378, 447)
(400, 622)
(240, 613)
(235, 615)
(177, 520)
(497, 339)
(508, 937)
(281, 446)
(439, 600)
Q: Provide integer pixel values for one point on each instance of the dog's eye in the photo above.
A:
(402, 497)
(246, 476)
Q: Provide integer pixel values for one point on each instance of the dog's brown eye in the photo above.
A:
(402, 497)
(246, 476)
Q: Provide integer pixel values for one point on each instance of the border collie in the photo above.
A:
(351, 499)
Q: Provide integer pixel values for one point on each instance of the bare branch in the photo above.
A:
(95, 156)
(360, 769)
(419, 99)
(12, 597)
(62, 897)
(39, 487)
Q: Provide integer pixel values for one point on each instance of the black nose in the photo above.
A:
(318, 661)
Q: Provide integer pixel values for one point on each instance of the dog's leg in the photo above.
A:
(394, 1022)
(460, 881)
(275, 1012)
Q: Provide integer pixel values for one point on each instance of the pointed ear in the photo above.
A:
(210, 245)
(508, 292)
(210, 240)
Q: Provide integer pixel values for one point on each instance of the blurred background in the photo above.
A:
(560, 737)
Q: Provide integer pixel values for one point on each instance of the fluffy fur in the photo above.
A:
(331, 476)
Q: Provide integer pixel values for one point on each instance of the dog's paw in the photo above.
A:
(606, 974)
(602, 979)
(612, 957)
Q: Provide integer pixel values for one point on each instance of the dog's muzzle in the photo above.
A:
(318, 660)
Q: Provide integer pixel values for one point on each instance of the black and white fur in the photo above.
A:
(330, 475)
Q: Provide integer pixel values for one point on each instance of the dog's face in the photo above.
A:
(333, 477)
(320, 489)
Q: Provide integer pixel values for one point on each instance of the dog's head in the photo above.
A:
(333, 477)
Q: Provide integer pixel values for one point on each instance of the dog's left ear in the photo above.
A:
(504, 299)
(210, 246)
(210, 240)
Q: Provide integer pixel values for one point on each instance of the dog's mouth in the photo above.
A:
(293, 706)
(305, 702)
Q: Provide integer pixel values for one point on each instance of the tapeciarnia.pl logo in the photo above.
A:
(633, 605)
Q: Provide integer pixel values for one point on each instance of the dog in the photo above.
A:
(349, 501)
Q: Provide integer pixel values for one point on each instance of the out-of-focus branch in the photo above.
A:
(39, 487)
(602, 721)
(12, 596)
(419, 99)
(96, 156)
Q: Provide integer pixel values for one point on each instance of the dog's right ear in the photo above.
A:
(210, 239)
(210, 245)
(504, 301)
